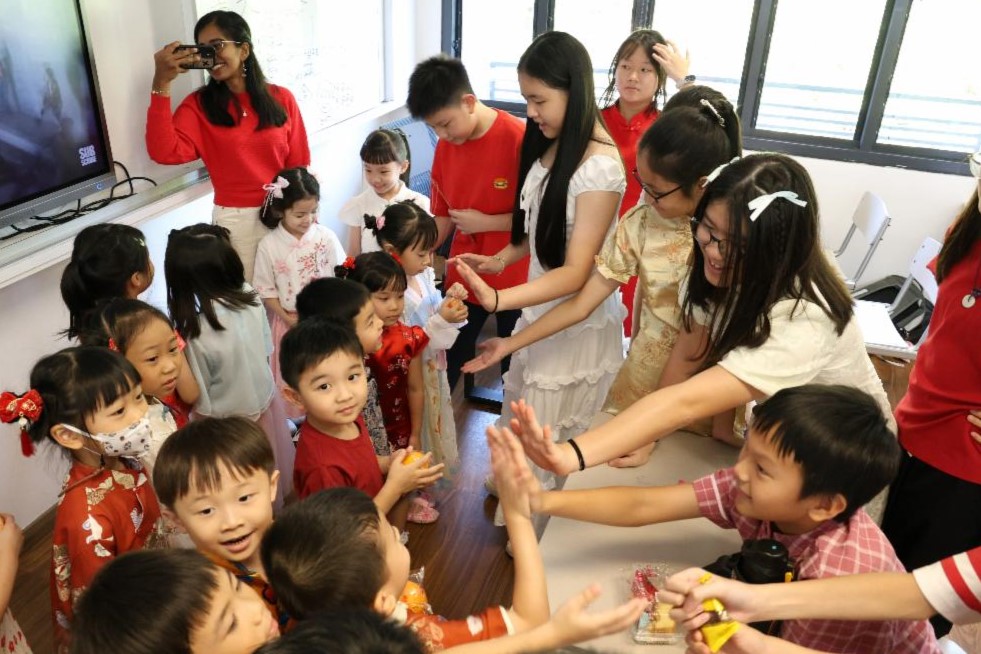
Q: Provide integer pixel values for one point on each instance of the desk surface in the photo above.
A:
(578, 553)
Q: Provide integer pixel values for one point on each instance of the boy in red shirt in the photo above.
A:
(474, 184)
(323, 367)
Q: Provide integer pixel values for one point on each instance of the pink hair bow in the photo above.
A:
(380, 222)
(276, 188)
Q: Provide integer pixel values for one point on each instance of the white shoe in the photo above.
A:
(490, 486)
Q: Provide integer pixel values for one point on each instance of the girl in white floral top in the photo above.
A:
(297, 250)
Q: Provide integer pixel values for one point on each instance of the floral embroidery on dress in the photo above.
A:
(101, 514)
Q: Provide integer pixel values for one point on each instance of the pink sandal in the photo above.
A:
(421, 513)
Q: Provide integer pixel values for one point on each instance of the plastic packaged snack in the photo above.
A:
(414, 595)
(655, 626)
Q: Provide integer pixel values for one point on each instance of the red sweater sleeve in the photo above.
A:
(299, 145)
(172, 138)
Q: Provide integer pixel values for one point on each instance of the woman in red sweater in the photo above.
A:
(244, 129)
(934, 507)
(642, 65)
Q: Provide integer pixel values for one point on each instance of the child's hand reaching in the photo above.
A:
(407, 477)
(518, 489)
(572, 624)
(483, 293)
(537, 441)
(453, 310)
(11, 539)
(458, 290)
(490, 352)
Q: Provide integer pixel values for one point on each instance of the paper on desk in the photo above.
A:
(877, 328)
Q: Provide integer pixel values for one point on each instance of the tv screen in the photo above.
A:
(53, 144)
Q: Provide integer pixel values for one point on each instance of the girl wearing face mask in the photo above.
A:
(88, 401)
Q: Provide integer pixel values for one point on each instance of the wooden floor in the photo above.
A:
(463, 552)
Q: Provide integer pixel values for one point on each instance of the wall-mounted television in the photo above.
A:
(54, 147)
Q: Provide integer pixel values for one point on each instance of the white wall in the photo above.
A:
(124, 37)
(920, 205)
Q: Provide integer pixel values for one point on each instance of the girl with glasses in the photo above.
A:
(244, 129)
(653, 241)
(631, 104)
(765, 312)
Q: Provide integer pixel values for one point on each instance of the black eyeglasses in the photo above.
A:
(657, 197)
(705, 237)
(219, 44)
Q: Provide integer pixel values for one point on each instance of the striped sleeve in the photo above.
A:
(953, 586)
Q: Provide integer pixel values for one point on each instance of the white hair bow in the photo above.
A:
(759, 204)
(715, 173)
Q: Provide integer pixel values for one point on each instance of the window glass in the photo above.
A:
(715, 33)
(333, 71)
(600, 26)
(935, 95)
(494, 36)
(818, 66)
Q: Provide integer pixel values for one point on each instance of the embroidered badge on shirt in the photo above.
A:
(500, 183)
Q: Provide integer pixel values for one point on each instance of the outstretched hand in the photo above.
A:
(482, 291)
(537, 441)
(518, 489)
(572, 624)
(687, 590)
(490, 352)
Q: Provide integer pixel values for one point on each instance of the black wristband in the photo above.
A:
(575, 448)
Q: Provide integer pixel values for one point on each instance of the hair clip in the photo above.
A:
(759, 204)
(715, 112)
(348, 263)
(112, 345)
(274, 189)
(24, 409)
(718, 170)
(380, 222)
(395, 256)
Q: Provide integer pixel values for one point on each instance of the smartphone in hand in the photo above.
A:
(205, 53)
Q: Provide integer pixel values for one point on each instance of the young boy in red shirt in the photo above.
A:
(323, 367)
(474, 185)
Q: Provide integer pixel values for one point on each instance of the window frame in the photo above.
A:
(862, 148)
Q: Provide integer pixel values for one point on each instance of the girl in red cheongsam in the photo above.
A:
(397, 365)
(88, 402)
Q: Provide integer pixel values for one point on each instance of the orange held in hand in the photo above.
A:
(412, 457)
(414, 597)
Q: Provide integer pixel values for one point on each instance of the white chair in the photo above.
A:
(871, 218)
(875, 318)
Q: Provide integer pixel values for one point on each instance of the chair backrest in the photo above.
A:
(919, 273)
(871, 218)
